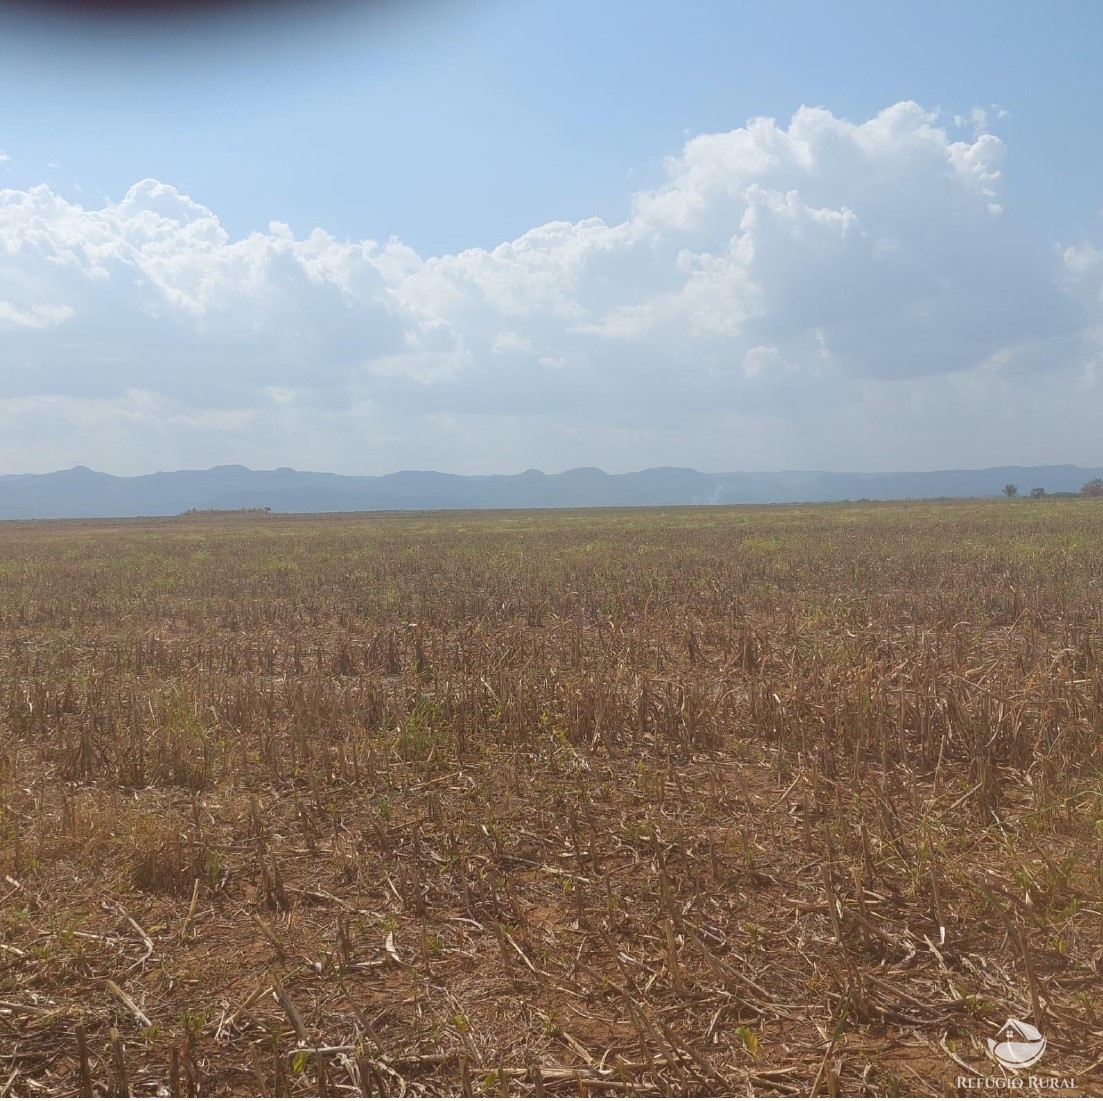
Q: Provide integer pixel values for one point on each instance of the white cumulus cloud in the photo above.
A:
(785, 282)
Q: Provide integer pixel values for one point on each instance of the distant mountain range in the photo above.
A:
(81, 492)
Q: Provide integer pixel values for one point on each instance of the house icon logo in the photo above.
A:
(1020, 1046)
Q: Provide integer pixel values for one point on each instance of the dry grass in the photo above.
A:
(713, 801)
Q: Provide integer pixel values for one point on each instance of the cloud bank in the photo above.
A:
(821, 294)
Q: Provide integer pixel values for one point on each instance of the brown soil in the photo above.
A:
(424, 806)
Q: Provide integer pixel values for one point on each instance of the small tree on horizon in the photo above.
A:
(1094, 488)
(1010, 491)
(1037, 492)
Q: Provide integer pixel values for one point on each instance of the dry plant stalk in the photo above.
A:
(289, 1008)
(122, 1082)
(83, 1069)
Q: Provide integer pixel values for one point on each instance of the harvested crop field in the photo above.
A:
(640, 802)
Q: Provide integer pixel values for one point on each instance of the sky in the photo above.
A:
(482, 237)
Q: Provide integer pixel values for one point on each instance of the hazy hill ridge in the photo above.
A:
(81, 492)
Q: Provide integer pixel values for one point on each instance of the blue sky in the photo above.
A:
(583, 250)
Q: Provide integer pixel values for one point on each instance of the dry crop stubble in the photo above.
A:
(637, 802)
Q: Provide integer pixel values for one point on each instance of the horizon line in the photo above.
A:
(536, 470)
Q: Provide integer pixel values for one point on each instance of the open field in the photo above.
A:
(701, 801)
